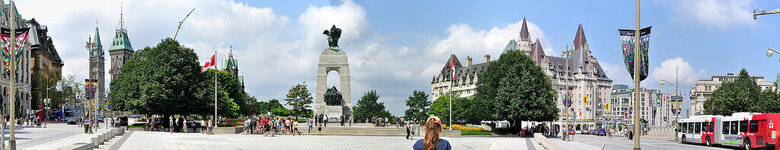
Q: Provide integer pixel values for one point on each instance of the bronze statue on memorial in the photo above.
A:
(333, 97)
(333, 37)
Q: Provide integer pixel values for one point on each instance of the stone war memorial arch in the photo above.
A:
(335, 59)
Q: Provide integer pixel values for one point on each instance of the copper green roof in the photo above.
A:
(97, 39)
(121, 41)
(231, 63)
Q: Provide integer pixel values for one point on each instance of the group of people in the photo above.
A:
(380, 121)
(176, 124)
(270, 125)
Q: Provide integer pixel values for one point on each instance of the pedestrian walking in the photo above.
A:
(185, 124)
(170, 123)
(310, 122)
(319, 129)
(408, 132)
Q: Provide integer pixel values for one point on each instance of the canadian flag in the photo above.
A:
(452, 67)
(208, 64)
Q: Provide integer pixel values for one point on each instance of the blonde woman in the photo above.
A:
(432, 140)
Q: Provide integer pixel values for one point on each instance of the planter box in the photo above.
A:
(450, 133)
(135, 129)
(228, 130)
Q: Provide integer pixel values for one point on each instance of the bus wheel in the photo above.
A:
(708, 142)
(747, 144)
(683, 139)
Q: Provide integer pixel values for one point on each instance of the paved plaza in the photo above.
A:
(32, 136)
(191, 141)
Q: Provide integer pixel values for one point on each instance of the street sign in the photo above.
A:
(110, 106)
(677, 98)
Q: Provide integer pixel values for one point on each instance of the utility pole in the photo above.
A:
(181, 22)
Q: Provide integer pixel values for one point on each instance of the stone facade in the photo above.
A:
(584, 76)
(121, 50)
(23, 77)
(702, 90)
(46, 63)
(331, 60)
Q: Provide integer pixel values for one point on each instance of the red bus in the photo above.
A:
(745, 130)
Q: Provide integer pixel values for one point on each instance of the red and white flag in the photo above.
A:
(208, 64)
(452, 67)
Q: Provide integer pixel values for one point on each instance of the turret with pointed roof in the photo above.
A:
(231, 66)
(98, 50)
(121, 50)
(524, 42)
(579, 39)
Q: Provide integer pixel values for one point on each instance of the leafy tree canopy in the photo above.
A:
(418, 106)
(518, 89)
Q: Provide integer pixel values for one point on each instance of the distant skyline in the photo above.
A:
(396, 47)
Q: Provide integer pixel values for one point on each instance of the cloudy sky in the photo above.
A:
(396, 47)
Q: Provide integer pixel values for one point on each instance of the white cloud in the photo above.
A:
(616, 72)
(713, 13)
(465, 40)
(677, 67)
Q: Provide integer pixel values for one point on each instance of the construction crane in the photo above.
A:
(181, 22)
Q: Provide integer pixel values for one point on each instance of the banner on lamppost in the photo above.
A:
(627, 40)
(5, 43)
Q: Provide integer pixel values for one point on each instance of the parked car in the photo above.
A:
(585, 131)
(572, 132)
(601, 132)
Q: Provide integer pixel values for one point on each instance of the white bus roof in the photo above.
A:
(740, 116)
(700, 118)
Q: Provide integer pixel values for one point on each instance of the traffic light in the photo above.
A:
(585, 99)
(606, 106)
(664, 118)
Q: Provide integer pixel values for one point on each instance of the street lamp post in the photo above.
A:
(770, 51)
(567, 97)
(636, 80)
(676, 87)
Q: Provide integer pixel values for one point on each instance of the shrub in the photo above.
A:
(473, 132)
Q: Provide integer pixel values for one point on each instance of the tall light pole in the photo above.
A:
(676, 87)
(636, 79)
(12, 81)
(567, 95)
(770, 51)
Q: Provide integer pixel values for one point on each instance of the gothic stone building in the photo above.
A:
(46, 63)
(231, 66)
(584, 76)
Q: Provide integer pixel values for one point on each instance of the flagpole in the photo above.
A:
(215, 89)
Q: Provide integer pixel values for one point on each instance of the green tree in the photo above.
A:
(164, 79)
(418, 106)
(770, 102)
(368, 107)
(740, 95)
(441, 108)
(43, 83)
(300, 99)
(229, 84)
(518, 90)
